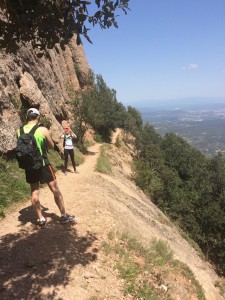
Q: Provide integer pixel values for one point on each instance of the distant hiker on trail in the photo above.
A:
(68, 135)
(31, 153)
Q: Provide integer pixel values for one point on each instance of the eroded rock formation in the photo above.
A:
(33, 77)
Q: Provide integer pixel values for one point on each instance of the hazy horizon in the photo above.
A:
(186, 102)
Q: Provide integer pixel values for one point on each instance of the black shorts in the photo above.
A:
(42, 175)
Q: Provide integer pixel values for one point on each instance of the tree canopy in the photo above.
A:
(99, 108)
(46, 22)
(187, 186)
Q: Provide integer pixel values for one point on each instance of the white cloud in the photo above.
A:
(190, 67)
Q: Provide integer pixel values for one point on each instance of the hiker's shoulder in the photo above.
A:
(42, 130)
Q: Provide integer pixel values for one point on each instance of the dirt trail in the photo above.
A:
(67, 262)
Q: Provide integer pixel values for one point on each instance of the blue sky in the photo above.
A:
(162, 50)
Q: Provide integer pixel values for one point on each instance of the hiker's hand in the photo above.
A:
(61, 155)
(56, 148)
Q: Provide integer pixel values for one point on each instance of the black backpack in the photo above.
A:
(27, 153)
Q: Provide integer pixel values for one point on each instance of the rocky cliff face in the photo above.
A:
(46, 79)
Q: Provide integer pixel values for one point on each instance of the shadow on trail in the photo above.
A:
(27, 215)
(91, 153)
(35, 262)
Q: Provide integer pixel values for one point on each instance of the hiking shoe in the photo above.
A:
(67, 219)
(42, 224)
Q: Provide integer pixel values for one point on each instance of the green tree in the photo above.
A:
(182, 157)
(46, 22)
(99, 108)
(133, 123)
(190, 165)
(80, 125)
(149, 162)
(213, 213)
(187, 186)
(144, 138)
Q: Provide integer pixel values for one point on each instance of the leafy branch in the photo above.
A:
(46, 22)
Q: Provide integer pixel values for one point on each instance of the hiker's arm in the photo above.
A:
(51, 143)
(49, 140)
(73, 134)
(46, 134)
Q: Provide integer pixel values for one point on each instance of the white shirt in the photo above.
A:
(68, 141)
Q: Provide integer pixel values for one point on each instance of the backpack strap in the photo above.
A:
(32, 131)
(64, 140)
(21, 130)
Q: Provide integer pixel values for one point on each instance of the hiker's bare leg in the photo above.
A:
(57, 196)
(35, 199)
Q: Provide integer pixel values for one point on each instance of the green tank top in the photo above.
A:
(40, 139)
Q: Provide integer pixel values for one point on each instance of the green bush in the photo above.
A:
(118, 142)
(13, 186)
(98, 138)
(103, 163)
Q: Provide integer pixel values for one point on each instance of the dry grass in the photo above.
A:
(150, 272)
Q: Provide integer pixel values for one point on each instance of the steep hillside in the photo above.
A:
(84, 261)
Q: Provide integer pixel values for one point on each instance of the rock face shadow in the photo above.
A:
(35, 262)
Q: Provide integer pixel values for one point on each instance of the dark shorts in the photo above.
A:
(43, 175)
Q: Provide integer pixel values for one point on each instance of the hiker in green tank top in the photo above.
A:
(44, 174)
(40, 140)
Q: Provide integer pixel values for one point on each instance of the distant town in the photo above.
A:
(201, 124)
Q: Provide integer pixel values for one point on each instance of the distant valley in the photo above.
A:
(201, 123)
